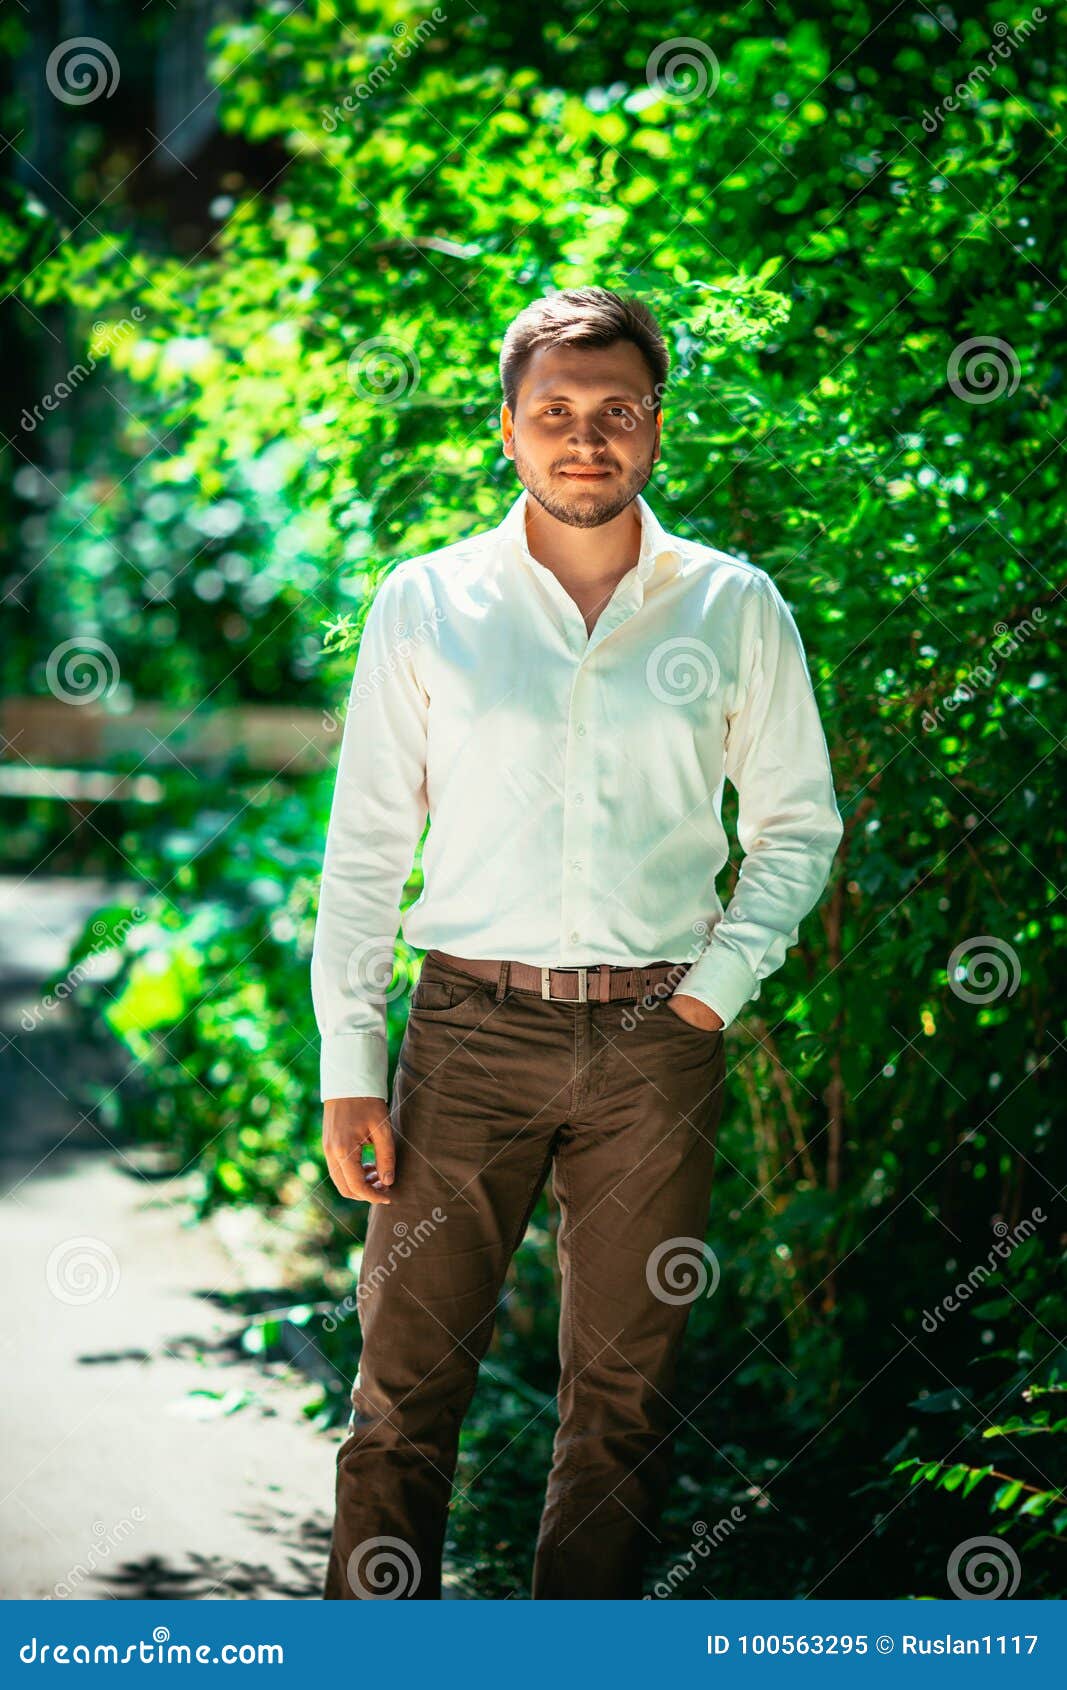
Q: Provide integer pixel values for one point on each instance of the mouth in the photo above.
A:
(587, 474)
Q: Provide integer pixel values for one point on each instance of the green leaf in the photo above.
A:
(1006, 1495)
(955, 1476)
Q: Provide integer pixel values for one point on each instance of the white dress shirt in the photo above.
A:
(573, 781)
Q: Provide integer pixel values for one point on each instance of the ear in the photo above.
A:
(659, 431)
(507, 430)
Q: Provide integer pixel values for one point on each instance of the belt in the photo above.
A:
(588, 983)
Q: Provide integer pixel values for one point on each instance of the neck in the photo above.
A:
(584, 556)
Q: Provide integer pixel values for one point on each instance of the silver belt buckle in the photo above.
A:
(582, 972)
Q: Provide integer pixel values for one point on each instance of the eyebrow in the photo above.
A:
(609, 398)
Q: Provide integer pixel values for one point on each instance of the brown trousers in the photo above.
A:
(495, 1087)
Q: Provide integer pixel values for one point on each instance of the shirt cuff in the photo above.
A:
(721, 980)
(354, 1065)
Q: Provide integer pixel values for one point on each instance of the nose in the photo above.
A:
(588, 433)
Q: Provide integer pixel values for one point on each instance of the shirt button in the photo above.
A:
(581, 728)
(575, 936)
(576, 864)
(578, 799)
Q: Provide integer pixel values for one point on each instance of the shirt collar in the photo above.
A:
(655, 540)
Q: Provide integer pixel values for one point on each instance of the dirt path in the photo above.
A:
(115, 1480)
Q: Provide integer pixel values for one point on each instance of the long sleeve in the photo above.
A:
(376, 819)
(788, 825)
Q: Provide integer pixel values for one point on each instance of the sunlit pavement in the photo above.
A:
(144, 1455)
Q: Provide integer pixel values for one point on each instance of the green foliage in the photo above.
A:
(1015, 1471)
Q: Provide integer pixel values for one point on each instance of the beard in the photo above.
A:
(591, 509)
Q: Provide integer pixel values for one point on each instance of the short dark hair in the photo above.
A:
(582, 317)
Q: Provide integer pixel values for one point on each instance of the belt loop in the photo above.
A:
(502, 982)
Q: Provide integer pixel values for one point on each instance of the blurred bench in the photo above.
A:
(79, 752)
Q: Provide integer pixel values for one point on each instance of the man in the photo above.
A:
(564, 694)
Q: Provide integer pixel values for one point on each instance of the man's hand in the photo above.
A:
(348, 1123)
(696, 1013)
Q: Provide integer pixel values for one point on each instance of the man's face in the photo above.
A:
(585, 431)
